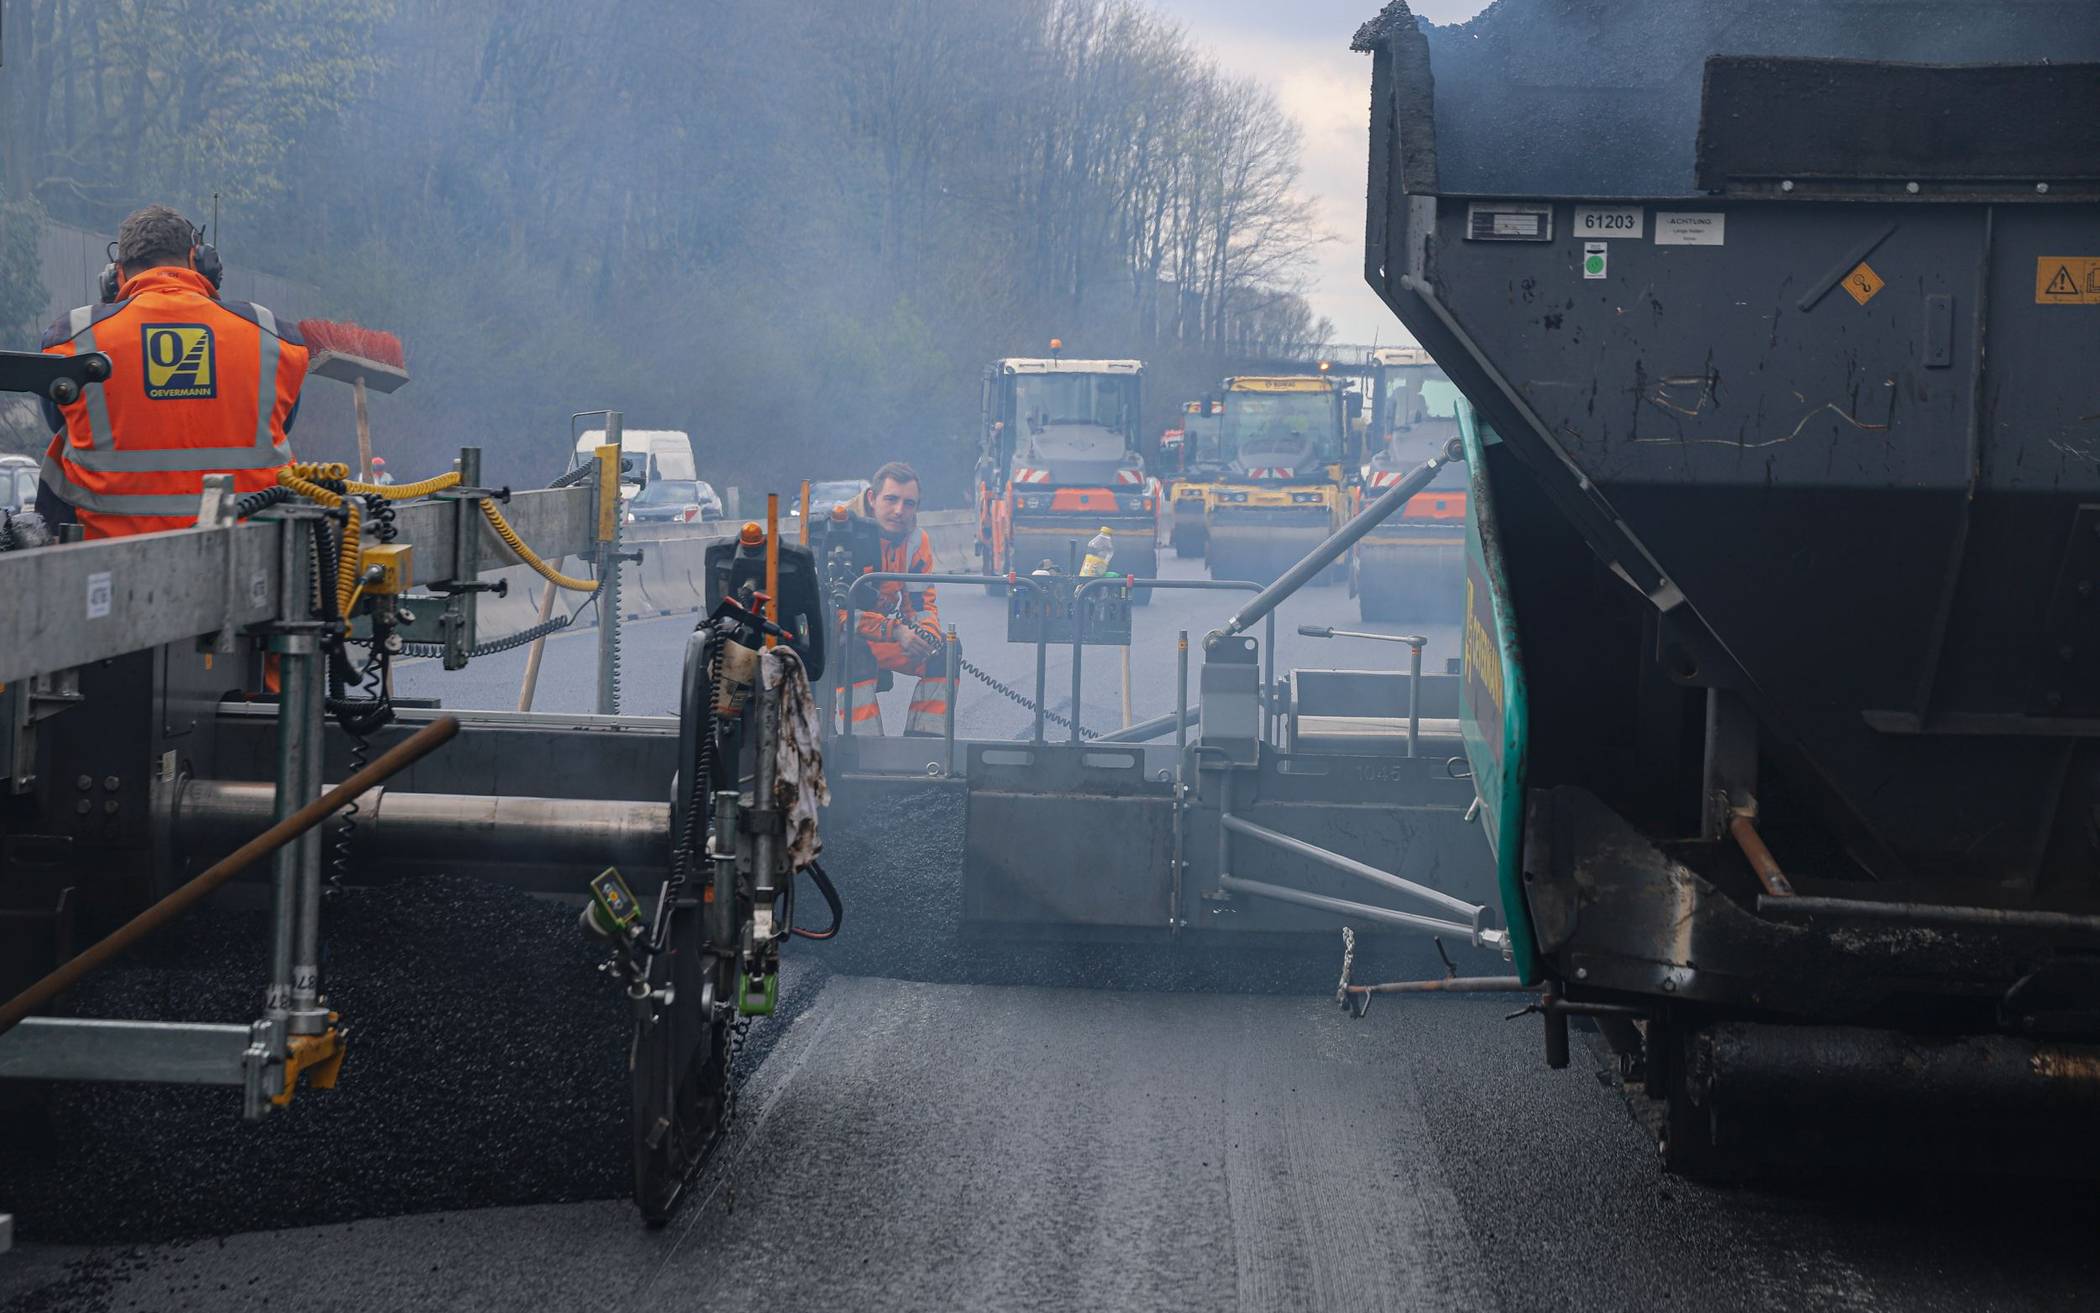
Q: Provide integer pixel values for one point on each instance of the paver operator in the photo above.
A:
(902, 632)
(197, 386)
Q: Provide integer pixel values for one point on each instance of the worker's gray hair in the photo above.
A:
(155, 235)
(895, 471)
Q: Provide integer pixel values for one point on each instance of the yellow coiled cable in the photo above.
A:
(405, 491)
(300, 479)
(530, 557)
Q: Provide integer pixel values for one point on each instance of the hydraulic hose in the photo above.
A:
(830, 893)
(306, 480)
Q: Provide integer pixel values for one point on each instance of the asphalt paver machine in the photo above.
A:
(182, 710)
(1780, 636)
(1284, 803)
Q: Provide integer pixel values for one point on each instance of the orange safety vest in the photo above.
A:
(913, 554)
(197, 386)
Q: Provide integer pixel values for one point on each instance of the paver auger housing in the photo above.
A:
(1783, 648)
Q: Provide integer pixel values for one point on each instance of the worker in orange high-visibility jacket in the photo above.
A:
(197, 386)
(902, 631)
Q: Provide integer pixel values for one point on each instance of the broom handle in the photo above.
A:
(1126, 688)
(364, 436)
(531, 681)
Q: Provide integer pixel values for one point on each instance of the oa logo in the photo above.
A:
(181, 362)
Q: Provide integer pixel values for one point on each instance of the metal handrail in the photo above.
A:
(1130, 584)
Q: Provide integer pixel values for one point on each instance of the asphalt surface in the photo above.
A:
(941, 1123)
(919, 1146)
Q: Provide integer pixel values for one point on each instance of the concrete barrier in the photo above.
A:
(670, 578)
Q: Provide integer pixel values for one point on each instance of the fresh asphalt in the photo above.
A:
(932, 1143)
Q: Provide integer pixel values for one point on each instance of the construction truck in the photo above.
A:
(1062, 458)
(1195, 470)
(1284, 443)
(1413, 566)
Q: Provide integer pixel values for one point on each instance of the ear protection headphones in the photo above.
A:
(204, 258)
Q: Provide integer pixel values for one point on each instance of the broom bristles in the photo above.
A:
(346, 339)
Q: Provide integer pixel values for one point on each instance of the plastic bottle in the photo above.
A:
(1099, 552)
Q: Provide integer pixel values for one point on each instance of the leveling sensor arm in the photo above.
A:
(57, 378)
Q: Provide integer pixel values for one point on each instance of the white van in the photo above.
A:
(646, 455)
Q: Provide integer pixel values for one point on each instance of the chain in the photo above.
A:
(1014, 695)
(495, 645)
(738, 1030)
(1019, 698)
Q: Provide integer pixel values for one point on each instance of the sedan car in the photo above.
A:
(827, 493)
(675, 501)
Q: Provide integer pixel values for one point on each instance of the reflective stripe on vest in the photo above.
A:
(53, 476)
(100, 434)
(266, 400)
(169, 460)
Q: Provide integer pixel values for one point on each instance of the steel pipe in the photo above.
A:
(170, 1052)
(1932, 913)
(1449, 985)
(1344, 907)
(258, 846)
(1350, 866)
(1341, 540)
(433, 830)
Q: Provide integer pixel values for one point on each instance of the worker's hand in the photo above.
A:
(915, 643)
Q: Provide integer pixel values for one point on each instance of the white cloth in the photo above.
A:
(798, 759)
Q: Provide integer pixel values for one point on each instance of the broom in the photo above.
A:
(351, 353)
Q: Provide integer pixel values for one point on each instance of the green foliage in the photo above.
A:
(179, 99)
(22, 294)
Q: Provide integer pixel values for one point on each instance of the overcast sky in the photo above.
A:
(1302, 51)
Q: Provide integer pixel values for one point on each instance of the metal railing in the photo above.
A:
(842, 685)
(1268, 680)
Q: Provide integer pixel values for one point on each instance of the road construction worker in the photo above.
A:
(380, 474)
(902, 631)
(197, 386)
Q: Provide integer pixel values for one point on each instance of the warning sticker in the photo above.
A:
(2067, 280)
(1863, 282)
(1689, 228)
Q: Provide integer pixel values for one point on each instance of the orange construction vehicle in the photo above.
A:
(1412, 567)
(1063, 457)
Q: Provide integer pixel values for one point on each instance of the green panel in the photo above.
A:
(1492, 713)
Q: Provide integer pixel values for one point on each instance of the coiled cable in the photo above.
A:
(531, 558)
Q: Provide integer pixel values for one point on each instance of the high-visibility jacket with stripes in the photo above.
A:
(898, 603)
(197, 386)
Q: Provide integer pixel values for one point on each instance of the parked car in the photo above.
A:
(17, 483)
(828, 493)
(675, 501)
